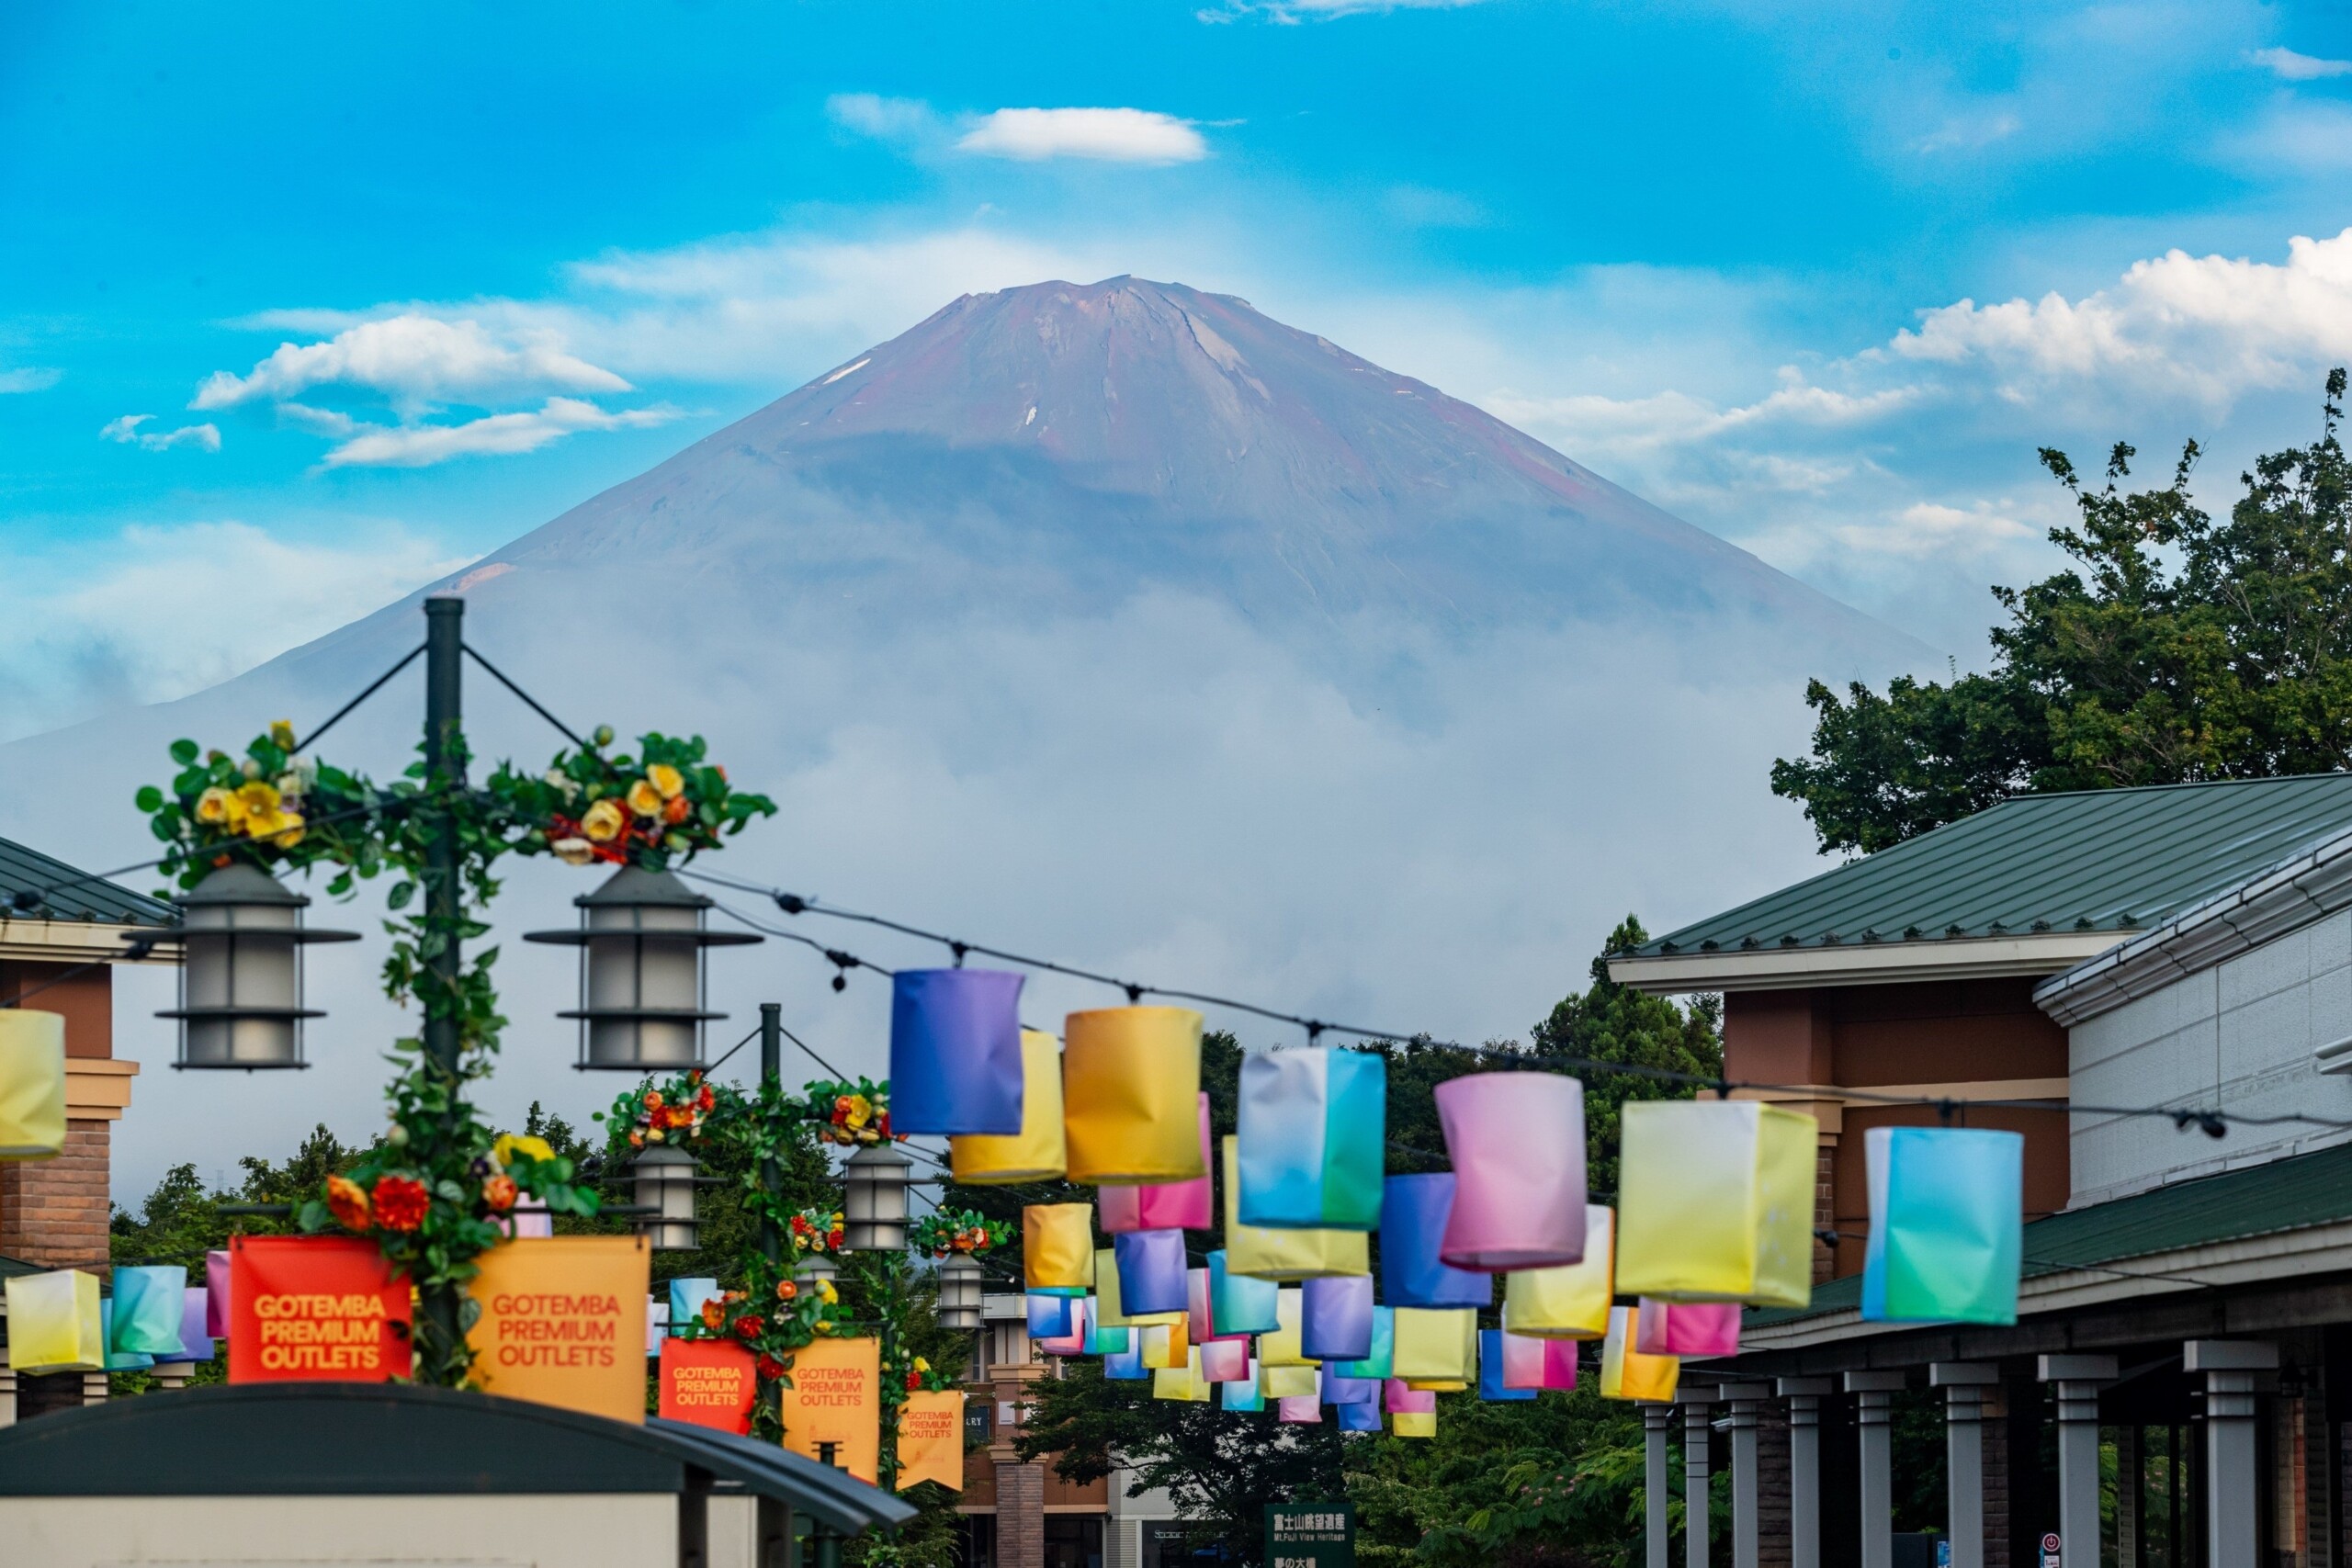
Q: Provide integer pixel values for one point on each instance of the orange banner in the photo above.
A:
(835, 1396)
(930, 1439)
(315, 1309)
(562, 1321)
(711, 1383)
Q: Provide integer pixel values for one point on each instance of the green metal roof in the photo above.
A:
(2282, 1195)
(60, 892)
(2119, 860)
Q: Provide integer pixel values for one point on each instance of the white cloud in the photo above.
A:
(498, 435)
(28, 379)
(2288, 66)
(1930, 528)
(126, 431)
(2210, 328)
(885, 119)
(1322, 10)
(1114, 136)
(414, 358)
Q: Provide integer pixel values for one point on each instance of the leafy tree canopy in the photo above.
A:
(2177, 648)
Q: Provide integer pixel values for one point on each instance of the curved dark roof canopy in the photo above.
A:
(323, 1439)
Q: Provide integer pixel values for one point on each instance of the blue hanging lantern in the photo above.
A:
(1335, 1317)
(1151, 1272)
(955, 1051)
(1238, 1305)
(1413, 1211)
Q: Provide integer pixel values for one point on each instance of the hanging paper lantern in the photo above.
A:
(1181, 1382)
(1413, 1424)
(1101, 1341)
(54, 1324)
(119, 1360)
(1035, 1153)
(1947, 1206)
(1284, 1346)
(1494, 1382)
(1521, 1356)
(686, 1297)
(1131, 1086)
(1242, 1305)
(1333, 1389)
(1057, 1247)
(1165, 1205)
(196, 1345)
(1570, 1302)
(1151, 1271)
(1335, 1317)
(1401, 1398)
(1127, 1366)
(1379, 1360)
(1435, 1346)
(1109, 1310)
(1412, 1223)
(1362, 1418)
(1072, 1341)
(1242, 1393)
(1686, 1328)
(32, 1084)
(149, 1303)
(1516, 1143)
(1049, 1315)
(1313, 1129)
(1626, 1372)
(1715, 1202)
(1262, 1254)
(1288, 1382)
(1301, 1410)
(215, 1295)
(1164, 1344)
(1225, 1360)
(955, 1051)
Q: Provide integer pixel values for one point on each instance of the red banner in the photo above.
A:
(709, 1382)
(315, 1309)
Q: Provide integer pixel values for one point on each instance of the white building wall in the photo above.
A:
(2238, 1035)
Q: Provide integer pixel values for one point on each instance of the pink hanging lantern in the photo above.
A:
(1516, 1142)
(1162, 1206)
(1686, 1328)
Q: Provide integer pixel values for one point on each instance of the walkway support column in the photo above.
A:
(2080, 1379)
(2229, 1367)
(1804, 1396)
(1874, 1409)
(1746, 1402)
(1964, 1383)
(1658, 1489)
(1698, 1419)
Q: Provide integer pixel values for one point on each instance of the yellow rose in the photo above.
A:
(603, 822)
(921, 1365)
(260, 796)
(644, 799)
(510, 1144)
(281, 734)
(213, 805)
(825, 1288)
(667, 779)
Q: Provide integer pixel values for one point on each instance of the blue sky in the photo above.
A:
(313, 306)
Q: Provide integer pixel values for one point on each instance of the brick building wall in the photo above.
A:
(1020, 1515)
(54, 1212)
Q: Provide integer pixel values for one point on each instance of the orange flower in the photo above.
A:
(347, 1201)
(653, 1100)
(678, 810)
(713, 1313)
(498, 1192)
(786, 1289)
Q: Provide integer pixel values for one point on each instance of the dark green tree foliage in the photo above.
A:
(2177, 649)
(1554, 1479)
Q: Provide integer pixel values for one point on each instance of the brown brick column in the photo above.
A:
(1996, 1490)
(1772, 1485)
(54, 1212)
(1021, 1516)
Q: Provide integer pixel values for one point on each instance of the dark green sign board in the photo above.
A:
(1310, 1535)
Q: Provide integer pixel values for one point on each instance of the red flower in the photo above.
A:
(914, 1381)
(834, 1240)
(750, 1327)
(402, 1203)
(770, 1369)
(705, 1098)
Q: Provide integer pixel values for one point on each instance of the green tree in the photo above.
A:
(2177, 648)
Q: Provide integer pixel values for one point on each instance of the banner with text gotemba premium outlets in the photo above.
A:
(315, 1309)
(930, 1439)
(562, 1321)
(835, 1397)
(711, 1382)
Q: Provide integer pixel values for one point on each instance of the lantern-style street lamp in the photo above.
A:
(242, 937)
(664, 1178)
(874, 1199)
(959, 1292)
(642, 977)
(816, 1268)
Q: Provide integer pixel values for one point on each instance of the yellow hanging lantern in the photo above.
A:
(32, 1084)
(1714, 1201)
(1184, 1383)
(1164, 1344)
(1036, 1153)
(53, 1323)
(1413, 1424)
(1288, 1382)
(1572, 1301)
(1626, 1372)
(1255, 1252)
(1435, 1345)
(1131, 1094)
(1057, 1247)
(1109, 1313)
(1283, 1347)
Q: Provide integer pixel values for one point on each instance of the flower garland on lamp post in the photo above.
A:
(434, 1188)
